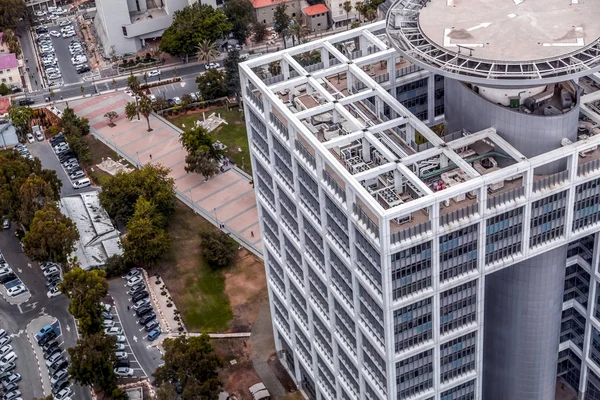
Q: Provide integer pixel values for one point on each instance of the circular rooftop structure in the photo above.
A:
(499, 42)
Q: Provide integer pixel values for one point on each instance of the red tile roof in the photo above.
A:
(316, 9)
(266, 3)
(4, 104)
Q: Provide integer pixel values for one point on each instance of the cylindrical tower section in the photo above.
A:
(522, 328)
(532, 133)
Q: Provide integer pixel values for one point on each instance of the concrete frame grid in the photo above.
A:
(381, 239)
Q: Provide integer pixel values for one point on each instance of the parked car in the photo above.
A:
(139, 296)
(7, 348)
(177, 100)
(58, 366)
(107, 315)
(47, 338)
(10, 387)
(5, 340)
(121, 338)
(119, 346)
(8, 367)
(124, 371)
(6, 223)
(54, 33)
(54, 358)
(135, 289)
(113, 331)
(16, 290)
(81, 183)
(121, 355)
(52, 351)
(58, 375)
(134, 281)
(7, 278)
(154, 334)
(107, 323)
(30, 138)
(60, 385)
(12, 378)
(147, 318)
(140, 303)
(26, 102)
(143, 310)
(63, 394)
(49, 344)
(11, 395)
(150, 326)
(132, 273)
(51, 271)
(54, 292)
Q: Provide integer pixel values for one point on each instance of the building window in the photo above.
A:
(125, 30)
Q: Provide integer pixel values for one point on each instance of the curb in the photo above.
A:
(163, 320)
(37, 360)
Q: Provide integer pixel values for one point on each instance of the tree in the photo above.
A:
(359, 6)
(145, 242)
(274, 68)
(281, 21)
(218, 248)
(211, 84)
(232, 72)
(198, 138)
(145, 76)
(12, 42)
(167, 392)
(115, 266)
(34, 194)
(145, 108)
(131, 110)
(190, 26)
(120, 192)
(11, 11)
(20, 118)
(260, 31)
(72, 125)
(85, 289)
(133, 83)
(192, 363)
(347, 6)
(298, 31)
(111, 115)
(81, 149)
(200, 162)
(51, 236)
(4, 90)
(92, 362)
(241, 14)
(207, 50)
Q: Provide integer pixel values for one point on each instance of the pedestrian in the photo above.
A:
(27, 60)
(36, 82)
(61, 97)
(252, 233)
(151, 156)
(128, 308)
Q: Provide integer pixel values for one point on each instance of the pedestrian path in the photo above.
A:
(226, 200)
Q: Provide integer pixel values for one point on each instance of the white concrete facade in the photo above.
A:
(344, 198)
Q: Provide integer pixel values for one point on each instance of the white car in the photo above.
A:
(121, 355)
(54, 17)
(10, 357)
(124, 371)
(12, 395)
(177, 100)
(120, 339)
(65, 23)
(113, 331)
(4, 350)
(59, 11)
(107, 323)
(156, 72)
(131, 274)
(63, 394)
(134, 281)
(53, 292)
(58, 376)
(119, 346)
(211, 66)
(54, 33)
(30, 138)
(5, 340)
(5, 270)
(68, 34)
(39, 136)
(51, 271)
(16, 290)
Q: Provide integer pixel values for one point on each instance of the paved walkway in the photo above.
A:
(227, 199)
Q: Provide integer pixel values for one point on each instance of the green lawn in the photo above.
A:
(233, 135)
(198, 291)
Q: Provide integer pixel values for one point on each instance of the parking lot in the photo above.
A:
(53, 41)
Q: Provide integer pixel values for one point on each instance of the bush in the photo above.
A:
(116, 266)
(218, 249)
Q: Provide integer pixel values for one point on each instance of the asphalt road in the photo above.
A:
(29, 54)
(44, 152)
(148, 358)
(187, 85)
(14, 319)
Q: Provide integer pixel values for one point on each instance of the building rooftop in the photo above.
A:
(513, 43)
(316, 9)
(512, 30)
(98, 238)
(8, 61)
(266, 3)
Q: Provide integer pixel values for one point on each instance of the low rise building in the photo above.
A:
(265, 9)
(316, 17)
(98, 238)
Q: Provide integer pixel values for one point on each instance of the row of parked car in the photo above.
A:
(23, 150)
(57, 364)
(8, 377)
(8, 275)
(52, 273)
(141, 303)
(48, 54)
(69, 161)
(122, 365)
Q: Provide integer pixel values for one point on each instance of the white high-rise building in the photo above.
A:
(411, 263)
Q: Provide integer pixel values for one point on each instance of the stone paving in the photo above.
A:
(227, 199)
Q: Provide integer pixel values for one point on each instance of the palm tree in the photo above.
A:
(360, 8)
(145, 107)
(347, 6)
(145, 76)
(274, 68)
(207, 50)
(131, 110)
(298, 31)
(133, 83)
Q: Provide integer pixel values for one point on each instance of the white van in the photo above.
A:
(81, 183)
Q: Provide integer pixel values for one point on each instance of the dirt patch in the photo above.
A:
(238, 378)
(246, 288)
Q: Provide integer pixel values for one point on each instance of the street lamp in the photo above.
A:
(216, 216)
(192, 198)
(138, 158)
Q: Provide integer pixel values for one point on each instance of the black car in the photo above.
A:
(82, 68)
(26, 102)
(42, 29)
(54, 281)
(139, 296)
(48, 337)
(51, 351)
(147, 318)
(56, 138)
(122, 363)
(57, 367)
(143, 310)
(7, 278)
(170, 102)
(65, 156)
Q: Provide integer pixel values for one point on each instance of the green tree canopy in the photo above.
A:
(232, 72)
(281, 21)
(11, 11)
(85, 289)
(145, 242)
(211, 84)
(260, 31)
(121, 192)
(219, 250)
(191, 25)
(133, 83)
(51, 236)
(202, 155)
(14, 171)
(193, 364)
(20, 118)
(80, 148)
(34, 194)
(207, 50)
(72, 125)
(92, 362)
(241, 14)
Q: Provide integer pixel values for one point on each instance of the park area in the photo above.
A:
(233, 134)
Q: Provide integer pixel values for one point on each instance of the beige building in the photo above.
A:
(265, 9)
(9, 70)
(316, 17)
(339, 17)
